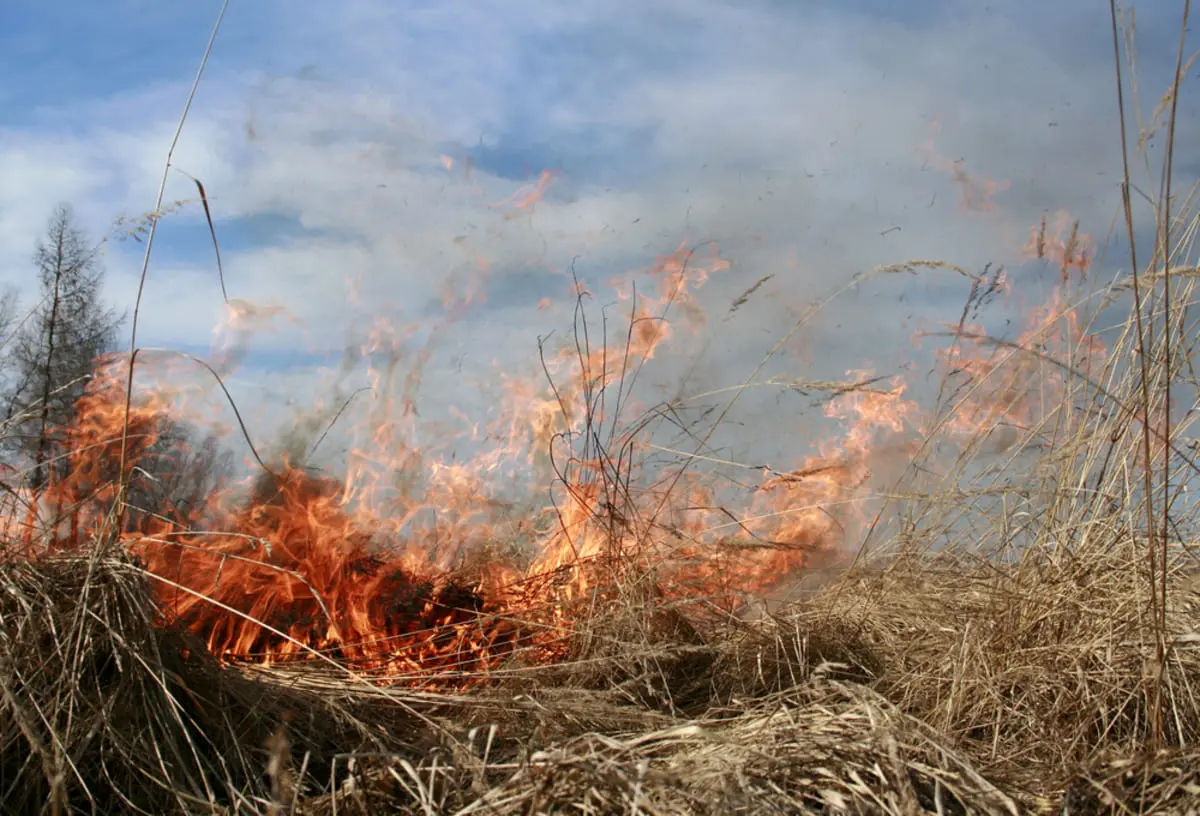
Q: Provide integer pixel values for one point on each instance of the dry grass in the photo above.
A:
(1020, 635)
(918, 688)
(105, 710)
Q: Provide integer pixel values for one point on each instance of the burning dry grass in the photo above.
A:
(113, 712)
(106, 710)
(924, 686)
(1027, 640)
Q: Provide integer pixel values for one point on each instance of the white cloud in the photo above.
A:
(792, 140)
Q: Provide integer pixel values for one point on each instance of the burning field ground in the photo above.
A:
(1011, 627)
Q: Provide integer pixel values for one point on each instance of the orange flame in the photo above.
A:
(412, 564)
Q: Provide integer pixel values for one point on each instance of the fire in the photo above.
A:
(975, 194)
(411, 565)
(799, 519)
(527, 196)
(1010, 388)
(1062, 245)
(301, 567)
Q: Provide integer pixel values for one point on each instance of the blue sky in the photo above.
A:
(788, 131)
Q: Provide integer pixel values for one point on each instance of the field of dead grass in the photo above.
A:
(1020, 637)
